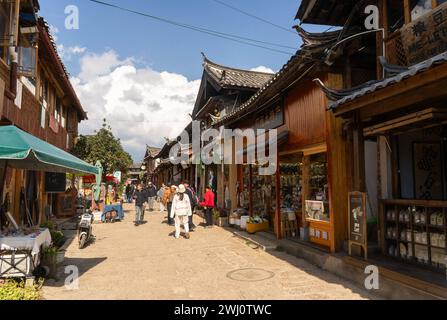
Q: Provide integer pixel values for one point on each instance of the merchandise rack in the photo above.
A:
(405, 221)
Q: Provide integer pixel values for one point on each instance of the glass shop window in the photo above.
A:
(27, 54)
(396, 16)
(420, 7)
(318, 182)
(58, 110)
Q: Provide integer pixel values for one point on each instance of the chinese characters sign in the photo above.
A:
(428, 171)
(357, 217)
(426, 37)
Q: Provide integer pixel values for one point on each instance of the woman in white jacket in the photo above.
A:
(180, 211)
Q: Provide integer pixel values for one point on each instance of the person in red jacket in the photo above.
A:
(208, 205)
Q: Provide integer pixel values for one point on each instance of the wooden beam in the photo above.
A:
(359, 157)
(407, 11)
(278, 200)
(305, 192)
(417, 89)
(411, 119)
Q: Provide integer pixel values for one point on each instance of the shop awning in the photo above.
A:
(21, 150)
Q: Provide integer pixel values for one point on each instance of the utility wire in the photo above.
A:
(254, 17)
(227, 36)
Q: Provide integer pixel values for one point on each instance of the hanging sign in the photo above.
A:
(117, 176)
(426, 36)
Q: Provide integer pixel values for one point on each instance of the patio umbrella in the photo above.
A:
(21, 150)
(97, 187)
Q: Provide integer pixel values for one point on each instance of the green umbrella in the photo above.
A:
(21, 150)
(97, 186)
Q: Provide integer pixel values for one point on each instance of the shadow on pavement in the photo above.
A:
(83, 265)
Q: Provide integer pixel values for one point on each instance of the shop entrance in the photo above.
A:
(413, 218)
(291, 170)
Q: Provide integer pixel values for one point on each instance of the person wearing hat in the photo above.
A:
(168, 198)
(181, 211)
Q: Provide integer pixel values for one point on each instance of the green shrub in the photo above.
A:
(58, 238)
(13, 290)
(48, 224)
(50, 251)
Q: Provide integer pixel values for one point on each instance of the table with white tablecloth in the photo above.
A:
(21, 248)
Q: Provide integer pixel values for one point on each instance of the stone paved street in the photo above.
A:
(147, 262)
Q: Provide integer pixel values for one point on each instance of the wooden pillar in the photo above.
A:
(232, 185)
(278, 200)
(250, 190)
(396, 190)
(380, 46)
(305, 187)
(359, 157)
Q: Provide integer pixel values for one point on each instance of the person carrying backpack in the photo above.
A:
(193, 200)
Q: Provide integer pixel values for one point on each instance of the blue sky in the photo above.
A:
(111, 45)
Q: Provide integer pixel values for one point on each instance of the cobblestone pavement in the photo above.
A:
(147, 262)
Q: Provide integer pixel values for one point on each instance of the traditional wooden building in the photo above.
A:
(222, 91)
(301, 200)
(35, 94)
(396, 129)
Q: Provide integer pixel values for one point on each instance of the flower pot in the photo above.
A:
(235, 221)
(257, 227)
(60, 256)
(48, 262)
(222, 222)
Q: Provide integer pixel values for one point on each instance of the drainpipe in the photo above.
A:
(12, 92)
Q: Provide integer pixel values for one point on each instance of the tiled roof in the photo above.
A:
(228, 77)
(349, 95)
(151, 152)
(314, 49)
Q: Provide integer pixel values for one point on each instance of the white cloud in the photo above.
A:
(66, 53)
(262, 69)
(142, 105)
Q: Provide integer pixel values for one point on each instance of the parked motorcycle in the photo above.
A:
(85, 228)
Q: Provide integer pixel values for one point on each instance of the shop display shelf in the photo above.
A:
(437, 247)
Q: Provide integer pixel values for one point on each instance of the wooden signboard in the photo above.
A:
(426, 36)
(427, 159)
(357, 221)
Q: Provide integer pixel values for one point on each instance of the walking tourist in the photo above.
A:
(152, 194)
(208, 206)
(160, 196)
(180, 211)
(192, 198)
(140, 197)
(128, 193)
(169, 197)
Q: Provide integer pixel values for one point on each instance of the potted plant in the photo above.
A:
(257, 224)
(221, 217)
(58, 239)
(49, 261)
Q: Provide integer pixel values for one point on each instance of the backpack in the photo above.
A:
(194, 198)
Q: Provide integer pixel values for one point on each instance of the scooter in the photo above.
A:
(85, 228)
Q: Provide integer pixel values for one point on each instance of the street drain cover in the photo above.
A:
(250, 275)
